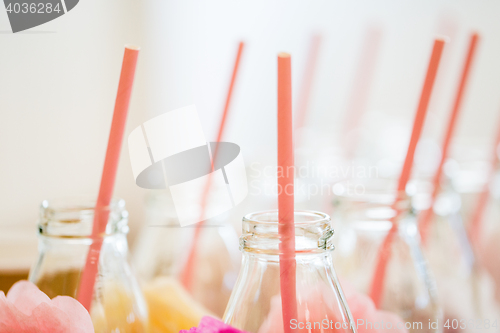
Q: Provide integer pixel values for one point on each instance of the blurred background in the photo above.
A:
(58, 83)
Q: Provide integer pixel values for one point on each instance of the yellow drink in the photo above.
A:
(171, 307)
(114, 312)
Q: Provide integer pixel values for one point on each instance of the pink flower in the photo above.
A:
(367, 317)
(28, 310)
(362, 309)
(212, 325)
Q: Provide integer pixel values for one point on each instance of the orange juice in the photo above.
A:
(171, 307)
(114, 312)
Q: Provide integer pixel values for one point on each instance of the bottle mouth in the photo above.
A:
(377, 191)
(468, 176)
(301, 217)
(381, 191)
(374, 204)
(73, 217)
(260, 234)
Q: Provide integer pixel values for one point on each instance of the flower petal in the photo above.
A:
(51, 319)
(80, 319)
(26, 296)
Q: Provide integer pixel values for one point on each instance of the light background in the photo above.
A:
(58, 81)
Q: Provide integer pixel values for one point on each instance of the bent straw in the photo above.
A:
(360, 90)
(425, 218)
(385, 249)
(286, 226)
(307, 81)
(101, 214)
(475, 225)
(187, 273)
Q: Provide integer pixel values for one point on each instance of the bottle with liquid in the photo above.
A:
(160, 255)
(64, 229)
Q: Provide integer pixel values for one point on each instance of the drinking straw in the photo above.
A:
(447, 26)
(358, 97)
(475, 225)
(385, 249)
(187, 273)
(307, 81)
(425, 218)
(101, 214)
(286, 227)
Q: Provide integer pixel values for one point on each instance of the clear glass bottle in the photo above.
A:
(488, 253)
(64, 229)
(255, 304)
(161, 251)
(465, 289)
(363, 215)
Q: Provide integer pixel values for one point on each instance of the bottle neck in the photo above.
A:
(260, 234)
(371, 201)
(74, 218)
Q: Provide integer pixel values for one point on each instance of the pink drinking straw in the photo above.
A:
(425, 217)
(101, 214)
(475, 225)
(307, 81)
(187, 273)
(447, 26)
(360, 90)
(384, 254)
(286, 226)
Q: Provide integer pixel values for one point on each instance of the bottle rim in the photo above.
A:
(377, 207)
(378, 190)
(73, 216)
(260, 234)
(263, 216)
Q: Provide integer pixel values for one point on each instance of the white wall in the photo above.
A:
(194, 45)
(58, 82)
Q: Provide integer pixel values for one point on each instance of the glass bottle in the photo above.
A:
(465, 288)
(363, 215)
(255, 303)
(161, 251)
(491, 235)
(64, 229)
